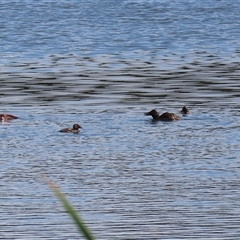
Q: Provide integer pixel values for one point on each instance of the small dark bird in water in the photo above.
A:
(75, 129)
(184, 110)
(163, 117)
(7, 117)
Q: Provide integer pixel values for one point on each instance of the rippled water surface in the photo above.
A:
(103, 64)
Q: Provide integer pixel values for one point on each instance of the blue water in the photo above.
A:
(103, 64)
(35, 29)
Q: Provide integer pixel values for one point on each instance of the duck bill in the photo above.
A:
(147, 114)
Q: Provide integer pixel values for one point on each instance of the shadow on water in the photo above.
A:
(97, 81)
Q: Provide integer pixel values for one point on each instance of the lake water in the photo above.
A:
(102, 64)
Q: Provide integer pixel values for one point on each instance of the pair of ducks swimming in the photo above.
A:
(8, 117)
(166, 116)
(155, 115)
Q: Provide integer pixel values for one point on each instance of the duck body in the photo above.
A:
(184, 110)
(7, 117)
(75, 129)
(163, 117)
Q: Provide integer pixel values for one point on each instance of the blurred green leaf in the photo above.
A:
(70, 210)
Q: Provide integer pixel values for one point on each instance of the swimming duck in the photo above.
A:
(6, 117)
(163, 117)
(184, 110)
(71, 130)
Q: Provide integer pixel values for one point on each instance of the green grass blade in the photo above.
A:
(70, 210)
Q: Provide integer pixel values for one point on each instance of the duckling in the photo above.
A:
(185, 110)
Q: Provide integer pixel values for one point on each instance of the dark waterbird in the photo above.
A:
(163, 117)
(185, 110)
(75, 129)
(7, 117)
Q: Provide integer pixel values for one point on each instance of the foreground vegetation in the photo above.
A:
(71, 211)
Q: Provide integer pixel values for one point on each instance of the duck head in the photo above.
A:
(152, 113)
(185, 110)
(76, 126)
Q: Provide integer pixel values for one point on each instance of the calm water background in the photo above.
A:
(102, 64)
